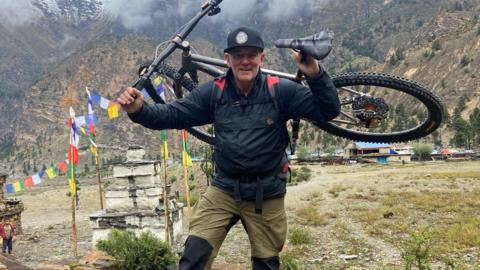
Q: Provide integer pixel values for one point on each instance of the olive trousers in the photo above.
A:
(213, 216)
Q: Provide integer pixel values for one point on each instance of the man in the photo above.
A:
(7, 233)
(249, 111)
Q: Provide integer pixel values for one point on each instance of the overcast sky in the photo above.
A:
(140, 13)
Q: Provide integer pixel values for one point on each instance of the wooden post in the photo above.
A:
(73, 195)
(99, 179)
(187, 189)
(165, 194)
(74, 228)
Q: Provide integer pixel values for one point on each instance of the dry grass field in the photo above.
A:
(414, 216)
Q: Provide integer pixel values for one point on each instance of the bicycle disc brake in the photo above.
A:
(371, 111)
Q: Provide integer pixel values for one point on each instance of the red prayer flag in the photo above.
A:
(62, 166)
(29, 181)
(73, 154)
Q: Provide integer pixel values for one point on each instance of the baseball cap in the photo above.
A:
(244, 37)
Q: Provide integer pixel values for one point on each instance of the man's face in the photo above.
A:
(245, 62)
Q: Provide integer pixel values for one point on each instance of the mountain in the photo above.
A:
(76, 44)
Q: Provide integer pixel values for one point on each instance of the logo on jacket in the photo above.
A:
(241, 37)
(269, 121)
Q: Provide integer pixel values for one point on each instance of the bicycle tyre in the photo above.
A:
(431, 101)
(396, 83)
(172, 73)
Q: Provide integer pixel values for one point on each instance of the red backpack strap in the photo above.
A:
(219, 83)
(272, 81)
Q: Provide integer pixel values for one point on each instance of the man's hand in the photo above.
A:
(310, 66)
(131, 100)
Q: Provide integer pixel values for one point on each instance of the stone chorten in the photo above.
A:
(134, 200)
(10, 208)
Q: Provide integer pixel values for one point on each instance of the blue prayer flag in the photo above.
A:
(10, 188)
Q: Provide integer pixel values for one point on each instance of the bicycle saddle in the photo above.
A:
(318, 45)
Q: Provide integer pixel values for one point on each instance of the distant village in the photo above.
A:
(384, 153)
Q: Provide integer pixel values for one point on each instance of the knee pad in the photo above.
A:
(196, 254)
(272, 263)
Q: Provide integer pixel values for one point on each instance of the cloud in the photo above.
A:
(142, 13)
(132, 14)
(18, 12)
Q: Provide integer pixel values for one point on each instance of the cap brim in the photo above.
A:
(239, 46)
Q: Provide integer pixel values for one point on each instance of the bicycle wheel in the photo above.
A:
(374, 108)
(171, 73)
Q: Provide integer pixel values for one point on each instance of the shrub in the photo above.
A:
(131, 252)
(298, 236)
(416, 251)
(436, 46)
(465, 61)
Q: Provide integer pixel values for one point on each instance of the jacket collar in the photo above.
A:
(258, 83)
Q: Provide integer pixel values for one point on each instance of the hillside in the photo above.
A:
(433, 42)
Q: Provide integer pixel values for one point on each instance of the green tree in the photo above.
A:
(462, 133)
(474, 120)
(436, 46)
(423, 151)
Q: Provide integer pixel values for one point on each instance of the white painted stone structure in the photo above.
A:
(134, 201)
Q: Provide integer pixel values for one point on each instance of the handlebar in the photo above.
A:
(211, 8)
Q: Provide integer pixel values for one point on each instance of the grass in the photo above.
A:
(300, 236)
(336, 189)
(309, 215)
(452, 217)
(290, 259)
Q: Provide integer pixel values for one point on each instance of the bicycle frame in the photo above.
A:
(192, 63)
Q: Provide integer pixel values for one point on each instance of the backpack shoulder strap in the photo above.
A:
(218, 86)
(272, 85)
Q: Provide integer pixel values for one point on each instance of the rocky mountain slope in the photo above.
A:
(433, 42)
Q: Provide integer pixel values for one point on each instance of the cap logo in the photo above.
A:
(241, 37)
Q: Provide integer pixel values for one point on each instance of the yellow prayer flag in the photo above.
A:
(93, 149)
(51, 172)
(82, 129)
(16, 186)
(157, 80)
(112, 111)
(73, 186)
(165, 150)
(186, 160)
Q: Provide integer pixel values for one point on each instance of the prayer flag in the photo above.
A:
(29, 181)
(16, 186)
(10, 188)
(36, 179)
(95, 97)
(104, 103)
(185, 156)
(91, 125)
(72, 155)
(73, 186)
(113, 110)
(51, 172)
(62, 166)
(163, 138)
(80, 121)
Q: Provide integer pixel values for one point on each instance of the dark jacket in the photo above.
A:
(250, 133)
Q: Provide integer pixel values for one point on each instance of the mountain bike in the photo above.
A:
(370, 102)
